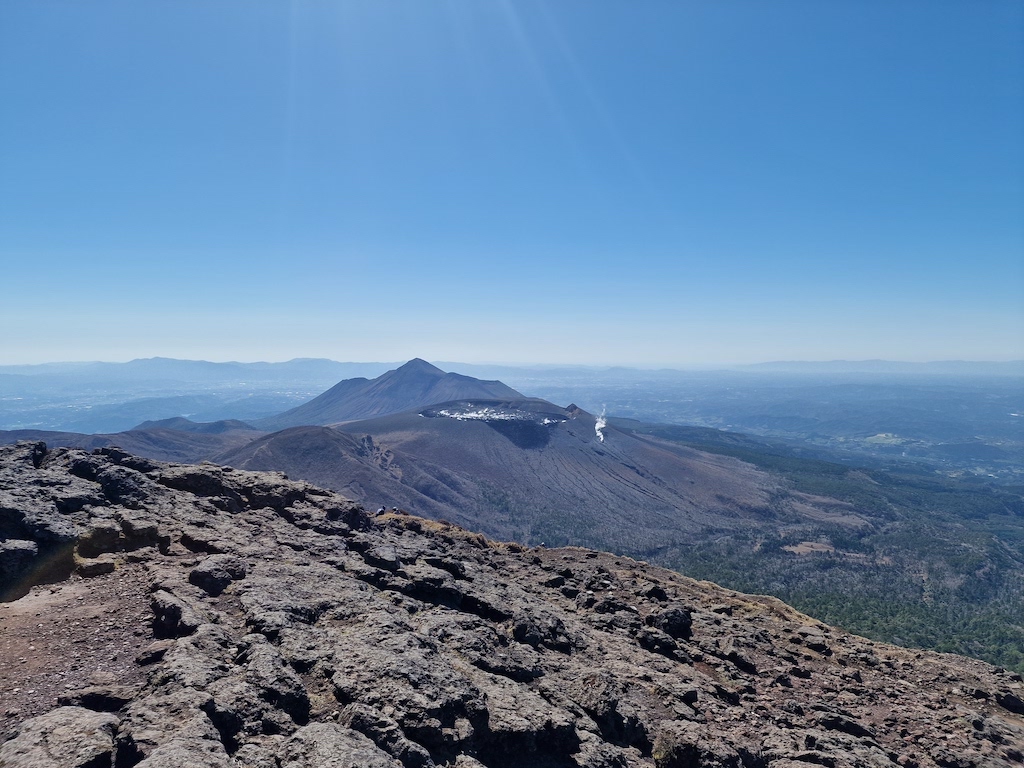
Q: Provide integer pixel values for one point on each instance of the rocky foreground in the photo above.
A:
(169, 615)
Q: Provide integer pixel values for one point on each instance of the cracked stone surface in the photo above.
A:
(170, 615)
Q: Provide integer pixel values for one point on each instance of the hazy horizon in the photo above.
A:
(521, 364)
(655, 184)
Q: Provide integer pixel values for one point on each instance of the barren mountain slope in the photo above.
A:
(413, 385)
(532, 471)
(229, 618)
(168, 440)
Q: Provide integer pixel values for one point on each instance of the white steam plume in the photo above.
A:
(601, 424)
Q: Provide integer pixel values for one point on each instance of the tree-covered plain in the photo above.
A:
(941, 565)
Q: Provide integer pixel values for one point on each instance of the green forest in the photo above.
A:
(941, 566)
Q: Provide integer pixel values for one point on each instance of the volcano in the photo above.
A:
(413, 385)
(529, 470)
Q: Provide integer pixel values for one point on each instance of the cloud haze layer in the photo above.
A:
(654, 184)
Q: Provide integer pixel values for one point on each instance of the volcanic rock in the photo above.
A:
(255, 621)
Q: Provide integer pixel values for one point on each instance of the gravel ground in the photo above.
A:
(62, 637)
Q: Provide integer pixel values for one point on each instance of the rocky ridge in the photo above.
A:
(170, 615)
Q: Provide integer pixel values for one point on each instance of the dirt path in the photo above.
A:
(61, 637)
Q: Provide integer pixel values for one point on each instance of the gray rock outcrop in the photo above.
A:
(287, 628)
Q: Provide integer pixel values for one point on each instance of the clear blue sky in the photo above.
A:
(660, 183)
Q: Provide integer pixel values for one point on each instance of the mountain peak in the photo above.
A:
(414, 385)
(419, 365)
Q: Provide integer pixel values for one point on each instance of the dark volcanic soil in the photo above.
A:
(64, 637)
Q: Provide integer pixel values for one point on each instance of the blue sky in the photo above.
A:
(643, 183)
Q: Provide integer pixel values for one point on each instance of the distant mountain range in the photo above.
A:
(113, 397)
(166, 368)
(943, 367)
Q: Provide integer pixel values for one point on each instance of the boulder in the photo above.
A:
(16, 556)
(172, 617)
(66, 737)
(675, 621)
(328, 745)
(216, 572)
